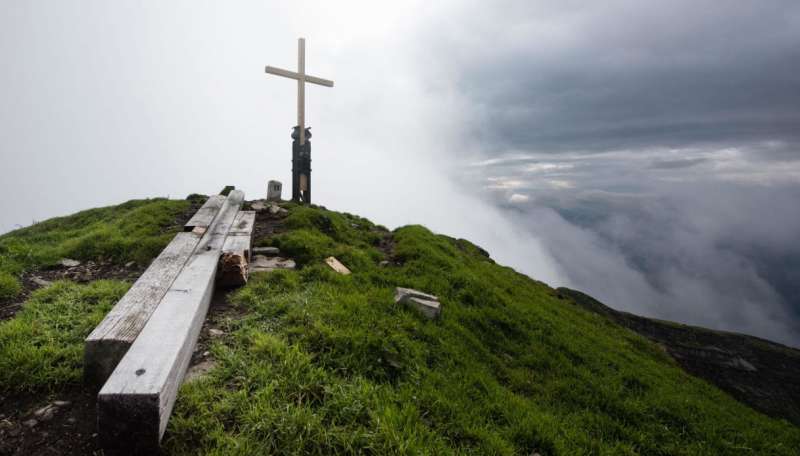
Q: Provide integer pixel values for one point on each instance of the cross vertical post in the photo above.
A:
(301, 149)
(301, 89)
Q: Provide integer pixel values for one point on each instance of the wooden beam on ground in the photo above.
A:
(110, 340)
(135, 404)
(204, 217)
(243, 223)
(235, 259)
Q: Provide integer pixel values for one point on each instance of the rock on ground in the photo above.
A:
(337, 266)
(425, 303)
(260, 263)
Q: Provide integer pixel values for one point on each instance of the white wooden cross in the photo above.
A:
(301, 78)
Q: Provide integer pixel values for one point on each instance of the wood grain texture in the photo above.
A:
(204, 217)
(243, 223)
(234, 262)
(109, 341)
(136, 402)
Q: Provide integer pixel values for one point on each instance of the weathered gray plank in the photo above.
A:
(135, 404)
(109, 341)
(204, 216)
(243, 223)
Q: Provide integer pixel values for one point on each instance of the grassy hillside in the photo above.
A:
(313, 362)
(133, 231)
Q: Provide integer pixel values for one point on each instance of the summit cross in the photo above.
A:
(301, 78)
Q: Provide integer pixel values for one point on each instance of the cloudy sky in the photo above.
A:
(643, 152)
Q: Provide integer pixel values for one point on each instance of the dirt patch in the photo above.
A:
(386, 245)
(220, 311)
(72, 428)
(266, 226)
(67, 429)
(83, 273)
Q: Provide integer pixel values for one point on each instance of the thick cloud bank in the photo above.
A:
(653, 147)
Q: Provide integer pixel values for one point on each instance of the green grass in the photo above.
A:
(319, 363)
(134, 231)
(42, 346)
(9, 285)
(326, 364)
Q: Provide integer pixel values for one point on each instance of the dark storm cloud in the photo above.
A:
(678, 163)
(654, 148)
(634, 74)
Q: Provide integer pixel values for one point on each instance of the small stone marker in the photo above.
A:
(337, 266)
(426, 303)
(258, 206)
(274, 189)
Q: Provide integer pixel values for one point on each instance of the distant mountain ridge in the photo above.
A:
(758, 372)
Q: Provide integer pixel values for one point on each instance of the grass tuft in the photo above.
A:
(9, 285)
(42, 346)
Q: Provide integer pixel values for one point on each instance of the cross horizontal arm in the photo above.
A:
(320, 81)
(298, 76)
(284, 73)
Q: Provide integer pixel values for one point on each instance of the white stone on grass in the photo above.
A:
(261, 263)
(69, 263)
(267, 251)
(425, 303)
(40, 281)
(274, 209)
(337, 266)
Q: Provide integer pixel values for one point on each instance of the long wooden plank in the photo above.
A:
(135, 404)
(204, 217)
(109, 341)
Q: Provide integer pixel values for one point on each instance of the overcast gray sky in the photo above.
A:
(643, 152)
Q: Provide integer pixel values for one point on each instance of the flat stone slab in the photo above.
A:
(337, 266)
(199, 371)
(274, 209)
(425, 303)
(261, 263)
(266, 251)
(69, 263)
(400, 294)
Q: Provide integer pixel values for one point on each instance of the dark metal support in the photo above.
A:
(301, 166)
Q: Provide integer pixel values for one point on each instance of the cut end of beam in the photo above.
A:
(130, 423)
